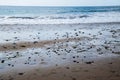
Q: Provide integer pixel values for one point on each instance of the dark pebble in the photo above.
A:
(20, 73)
(74, 61)
(2, 61)
(23, 46)
(74, 79)
(89, 62)
(35, 42)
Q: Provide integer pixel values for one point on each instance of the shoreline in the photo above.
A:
(91, 23)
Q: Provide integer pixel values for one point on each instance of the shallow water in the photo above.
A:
(58, 15)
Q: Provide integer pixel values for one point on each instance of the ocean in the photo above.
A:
(58, 15)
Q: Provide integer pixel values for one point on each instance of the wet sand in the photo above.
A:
(60, 51)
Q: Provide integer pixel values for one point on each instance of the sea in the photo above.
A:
(58, 15)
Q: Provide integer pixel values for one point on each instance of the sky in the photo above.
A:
(60, 2)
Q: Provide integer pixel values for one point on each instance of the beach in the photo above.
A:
(76, 51)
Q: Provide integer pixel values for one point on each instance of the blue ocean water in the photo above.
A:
(36, 10)
(59, 13)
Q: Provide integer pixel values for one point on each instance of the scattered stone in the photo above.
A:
(99, 49)
(89, 62)
(2, 61)
(73, 56)
(35, 42)
(100, 53)
(106, 47)
(67, 67)
(74, 61)
(20, 73)
(116, 52)
(23, 46)
(74, 79)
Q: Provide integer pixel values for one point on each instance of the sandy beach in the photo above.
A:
(89, 51)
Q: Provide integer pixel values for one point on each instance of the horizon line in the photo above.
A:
(59, 5)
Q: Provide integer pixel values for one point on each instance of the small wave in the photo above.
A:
(58, 17)
(83, 16)
(14, 17)
(47, 17)
(63, 19)
(72, 17)
(1, 17)
(72, 11)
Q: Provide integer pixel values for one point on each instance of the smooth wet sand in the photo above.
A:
(60, 52)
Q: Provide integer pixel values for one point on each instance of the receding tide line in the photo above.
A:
(22, 45)
(37, 24)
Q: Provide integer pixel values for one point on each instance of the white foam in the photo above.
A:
(98, 17)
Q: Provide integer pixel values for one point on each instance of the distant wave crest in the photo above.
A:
(47, 17)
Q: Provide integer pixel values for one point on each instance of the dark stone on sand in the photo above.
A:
(36, 52)
(20, 73)
(29, 57)
(74, 79)
(110, 63)
(99, 49)
(100, 53)
(73, 56)
(35, 42)
(113, 31)
(77, 62)
(58, 54)
(14, 43)
(48, 48)
(2, 61)
(12, 65)
(74, 47)
(67, 67)
(7, 40)
(75, 30)
(112, 71)
(9, 64)
(106, 47)
(74, 61)
(116, 52)
(89, 62)
(15, 37)
(82, 32)
(76, 34)
(4, 47)
(22, 46)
